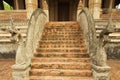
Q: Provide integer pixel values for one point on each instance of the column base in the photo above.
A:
(101, 73)
(21, 73)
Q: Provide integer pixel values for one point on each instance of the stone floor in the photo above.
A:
(6, 71)
(115, 69)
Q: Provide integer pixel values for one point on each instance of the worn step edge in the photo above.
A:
(65, 48)
(62, 50)
(59, 65)
(62, 55)
(59, 78)
(37, 59)
(60, 72)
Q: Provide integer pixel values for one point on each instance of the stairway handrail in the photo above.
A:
(95, 45)
(26, 49)
(88, 27)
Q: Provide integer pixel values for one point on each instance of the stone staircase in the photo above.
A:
(61, 54)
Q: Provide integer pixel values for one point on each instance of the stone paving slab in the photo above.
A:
(5, 69)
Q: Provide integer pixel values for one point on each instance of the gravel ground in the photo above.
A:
(6, 71)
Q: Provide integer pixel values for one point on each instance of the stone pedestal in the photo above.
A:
(16, 4)
(20, 73)
(101, 73)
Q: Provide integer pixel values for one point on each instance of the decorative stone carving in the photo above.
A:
(95, 46)
(26, 49)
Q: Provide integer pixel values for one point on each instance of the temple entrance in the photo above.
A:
(63, 10)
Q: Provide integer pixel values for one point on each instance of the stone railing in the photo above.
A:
(94, 45)
(15, 14)
(26, 49)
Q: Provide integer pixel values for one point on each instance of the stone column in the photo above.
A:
(45, 7)
(111, 5)
(16, 4)
(31, 5)
(95, 8)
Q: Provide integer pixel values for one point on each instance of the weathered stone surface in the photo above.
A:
(60, 72)
(95, 46)
(26, 49)
(61, 53)
(36, 59)
(59, 78)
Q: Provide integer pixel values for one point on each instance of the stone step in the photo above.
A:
(62, 37)
(64, 29)
(62, 42)
(61, 65)
(63, 26)
(59, 78)
(61, 50)
(80, 50)
(60, 72)
(37, 59)
(60, 45)
(61, 55)
(50, 45)
(68, 28)
(65, 32)
(65, 48)
(61, 33)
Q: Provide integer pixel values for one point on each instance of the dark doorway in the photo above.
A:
(63, 11)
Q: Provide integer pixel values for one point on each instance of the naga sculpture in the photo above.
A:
(96, 45)
(16, 38)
